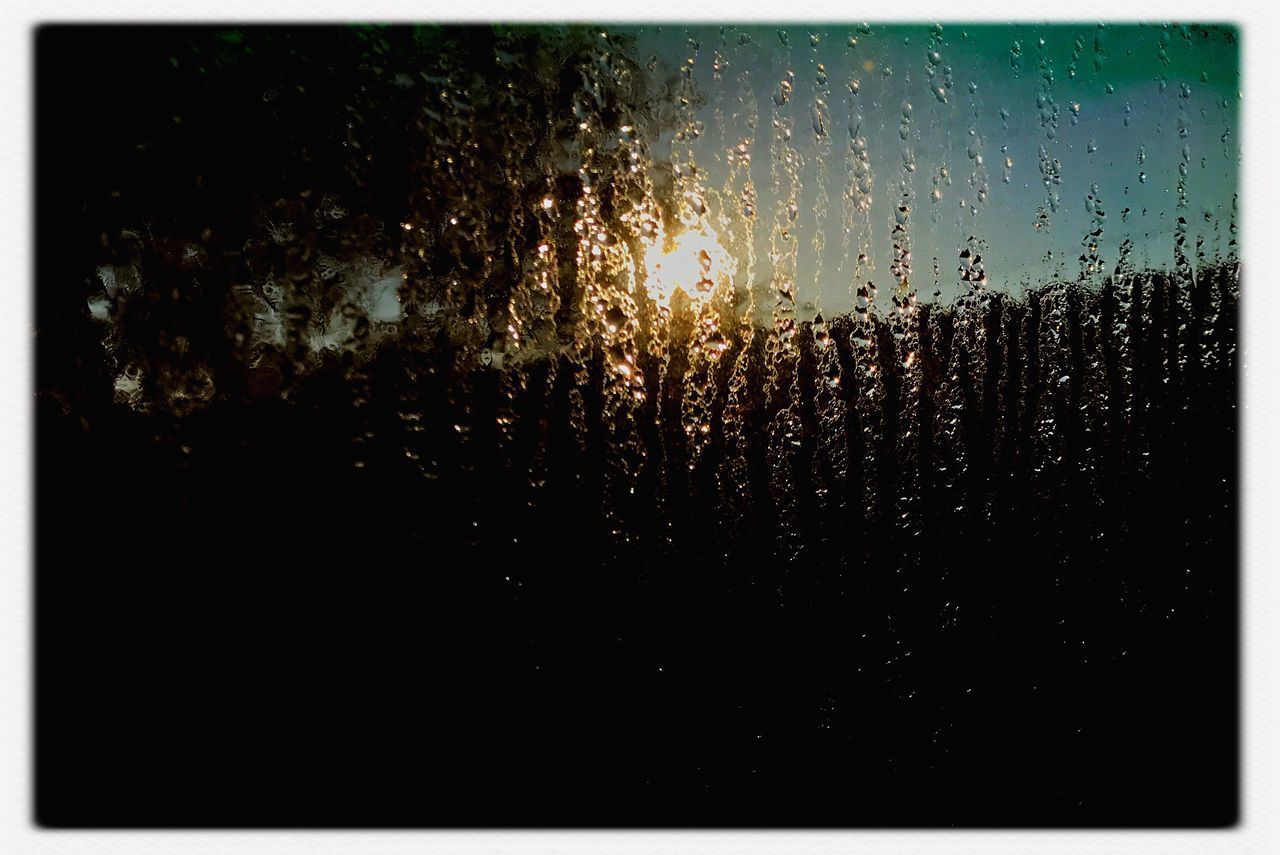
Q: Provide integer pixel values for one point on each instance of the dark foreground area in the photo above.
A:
(239, 626)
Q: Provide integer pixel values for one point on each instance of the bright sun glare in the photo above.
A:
(693, 261)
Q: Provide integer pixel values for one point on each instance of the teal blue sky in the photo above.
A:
(1132, 101)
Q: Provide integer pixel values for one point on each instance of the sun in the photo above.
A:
(693, 261)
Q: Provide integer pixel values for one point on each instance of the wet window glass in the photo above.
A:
(634, 426)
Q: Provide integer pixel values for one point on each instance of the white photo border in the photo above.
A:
(1259, 829)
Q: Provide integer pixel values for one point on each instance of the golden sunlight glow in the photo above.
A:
(693, 261)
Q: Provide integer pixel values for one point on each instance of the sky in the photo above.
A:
(1131, 101)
